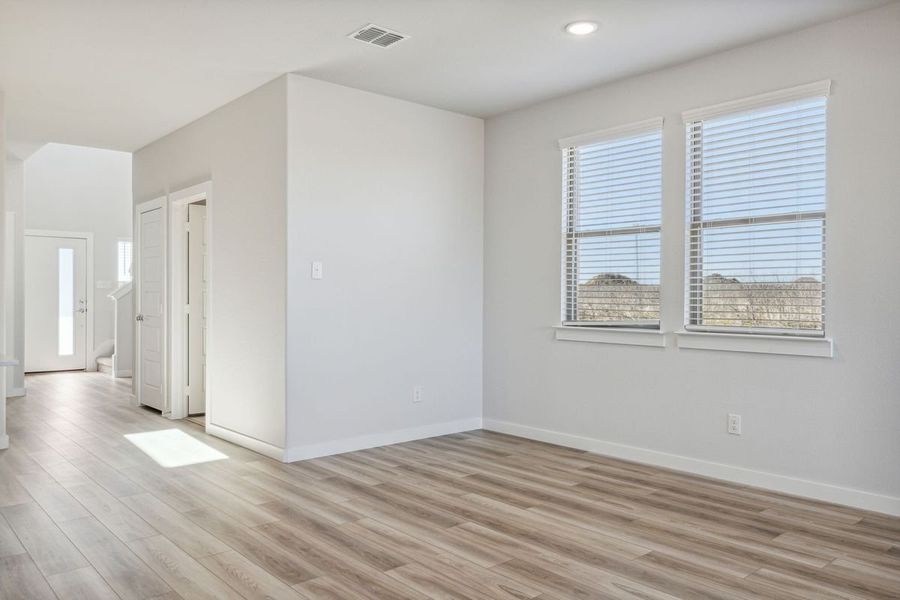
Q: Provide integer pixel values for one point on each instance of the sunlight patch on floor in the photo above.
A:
(174, 448)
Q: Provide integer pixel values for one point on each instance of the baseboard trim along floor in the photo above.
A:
(374, 440)
(248, 442)
(770, 481)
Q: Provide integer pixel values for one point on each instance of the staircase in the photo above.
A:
(119, 364)
(105, 365)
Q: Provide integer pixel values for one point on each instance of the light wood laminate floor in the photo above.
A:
(85, 514)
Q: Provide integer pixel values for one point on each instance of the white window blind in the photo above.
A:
(756, 219)
(123, 251)
(611, 239)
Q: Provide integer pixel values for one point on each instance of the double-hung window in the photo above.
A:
(756, 214)
(612, 198)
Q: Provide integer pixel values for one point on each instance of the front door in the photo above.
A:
(55, 303)
(149, 309)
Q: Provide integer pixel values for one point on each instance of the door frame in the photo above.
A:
(178, 362)
(89, 284)
(156, 203)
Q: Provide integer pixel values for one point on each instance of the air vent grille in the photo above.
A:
(378, 36)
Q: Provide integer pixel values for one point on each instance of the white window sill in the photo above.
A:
(764, 344)
(612, 335)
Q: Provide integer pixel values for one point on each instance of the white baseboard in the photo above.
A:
(374, 440)
(247, 442)
(761, 479)
(15, 393)
(122, 373)
(4, 441)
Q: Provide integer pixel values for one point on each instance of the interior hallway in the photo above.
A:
(475, 515)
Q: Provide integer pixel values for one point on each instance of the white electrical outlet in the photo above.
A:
(734, 424)
(417, 394)
(317, 270)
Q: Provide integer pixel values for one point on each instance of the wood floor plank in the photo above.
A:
(229, 478)
(434, 584)
(165, 488)
(9, 541)
(115, 516)
(310, 499)
(350, 571)
(325, 588)
(786, 584)
(394, 541)
(20, 579)
(120, 567)
(81, 584)
(11, 491)
(67, 474)
(428, 533)
(316, 529)
(185, 575)
(186, 534)
(48, 546)
(249, 579)
(487, 581)
(52, 497)
(239, 509)
(288, 567)
(108, 478)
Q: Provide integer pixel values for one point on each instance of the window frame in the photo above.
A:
(571, 233)
(696, 224)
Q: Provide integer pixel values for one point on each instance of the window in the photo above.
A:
(124, 260)
(756, 215)
(66, 287)
(612, 193)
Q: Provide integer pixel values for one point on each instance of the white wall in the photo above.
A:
(4, 438)
(241, 147)
(831, 421)
(15, 307)
(388, 194)
(75, 188)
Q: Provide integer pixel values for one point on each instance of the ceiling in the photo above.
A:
(121, 73)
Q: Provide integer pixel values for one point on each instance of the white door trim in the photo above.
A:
(88, 238)
(156, 203)
(179, 202)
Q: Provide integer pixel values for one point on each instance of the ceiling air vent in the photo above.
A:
(378, 36)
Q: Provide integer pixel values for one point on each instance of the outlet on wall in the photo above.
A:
(417, 393)
(734, 424)
(317, 270)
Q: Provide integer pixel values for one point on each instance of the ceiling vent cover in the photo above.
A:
(378, 36)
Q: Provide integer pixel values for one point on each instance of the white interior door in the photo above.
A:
(55, 303)
(149, 309)
(196, 314)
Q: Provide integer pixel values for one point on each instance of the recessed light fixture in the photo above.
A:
(581, 27)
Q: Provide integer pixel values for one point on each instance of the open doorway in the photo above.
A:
(195, 311)
(190, 302)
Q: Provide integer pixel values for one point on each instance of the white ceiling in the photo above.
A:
(121, 73)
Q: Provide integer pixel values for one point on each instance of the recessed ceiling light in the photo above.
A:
(581, 27)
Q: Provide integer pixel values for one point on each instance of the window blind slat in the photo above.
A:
(756, 220)
(612, 217)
